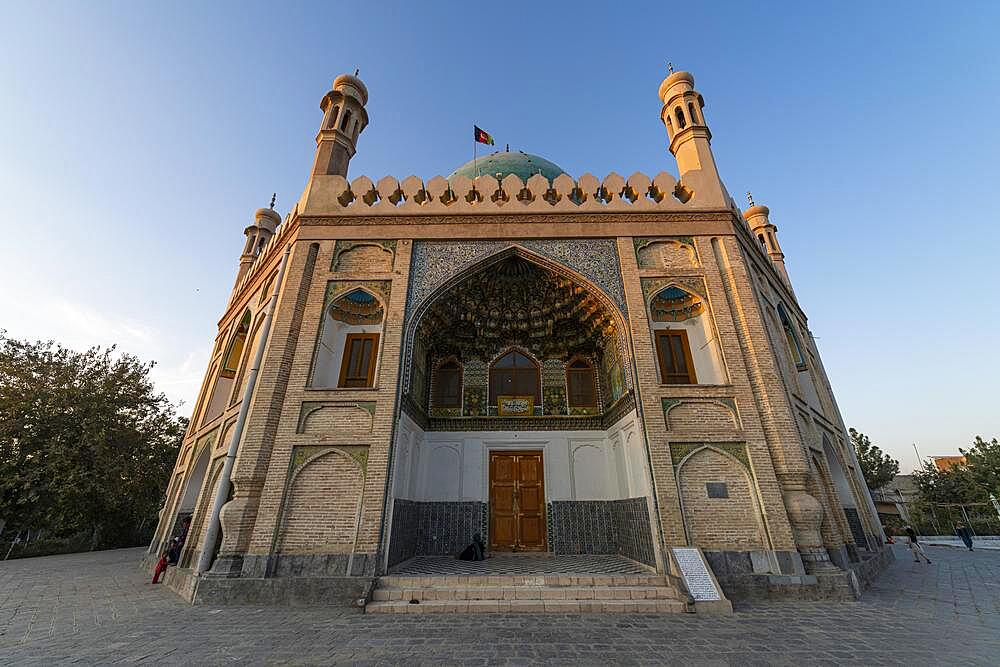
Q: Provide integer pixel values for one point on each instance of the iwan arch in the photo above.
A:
(595, 370)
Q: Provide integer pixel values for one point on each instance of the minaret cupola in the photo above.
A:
(258, 233)
(767, 234)
(690, 138)
(344, 119)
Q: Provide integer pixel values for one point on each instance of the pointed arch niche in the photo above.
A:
(513, 326)
(687, 349)
(347, 352)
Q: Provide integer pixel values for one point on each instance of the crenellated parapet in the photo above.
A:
(335, 195)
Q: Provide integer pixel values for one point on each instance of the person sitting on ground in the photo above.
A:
(475, 551)
(915, 547)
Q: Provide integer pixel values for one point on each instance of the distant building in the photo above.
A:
(945, 463)
(563, 365)
(892, 500)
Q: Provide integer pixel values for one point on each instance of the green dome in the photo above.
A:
(524, 165)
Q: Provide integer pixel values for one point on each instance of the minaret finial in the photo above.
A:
(670, 67)
(749, 197)
(507, 149)
(357, 71)
(274, 197)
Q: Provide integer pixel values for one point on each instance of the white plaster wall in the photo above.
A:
(708, 366)
(578, 465)
(331, 350)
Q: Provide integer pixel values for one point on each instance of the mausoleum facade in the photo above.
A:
(562, 365)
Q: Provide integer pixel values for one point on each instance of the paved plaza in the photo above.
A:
(98, 608)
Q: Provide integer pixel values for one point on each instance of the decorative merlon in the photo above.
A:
(334, 195)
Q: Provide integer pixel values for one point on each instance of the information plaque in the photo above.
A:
(695, 573)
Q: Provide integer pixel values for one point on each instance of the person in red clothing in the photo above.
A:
(161, 567)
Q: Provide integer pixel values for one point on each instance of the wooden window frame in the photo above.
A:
(536, 370)
(435, 388)
(346, 360)
(665, 378)
(241, 335)
(592, 372)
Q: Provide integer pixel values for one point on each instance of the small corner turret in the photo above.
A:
(690, 140)
(258, 233)
(765, 232)
(344, 119)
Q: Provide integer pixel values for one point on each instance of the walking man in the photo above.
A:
(915, 547)
(963, 531)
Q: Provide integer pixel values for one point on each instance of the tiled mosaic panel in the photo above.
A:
(857, 528)
(433, 528)
(434, 262)
(601, 527)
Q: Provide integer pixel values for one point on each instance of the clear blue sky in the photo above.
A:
(136, 140)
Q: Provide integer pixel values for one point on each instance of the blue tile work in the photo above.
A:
(602, 527)
(434, 263)
(433, 528)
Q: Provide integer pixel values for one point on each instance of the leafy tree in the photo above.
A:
(878, 467)
(983, 462)
(86, 444)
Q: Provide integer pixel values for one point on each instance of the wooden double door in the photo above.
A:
(517, 501)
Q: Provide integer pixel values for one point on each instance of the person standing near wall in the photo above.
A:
(963, 532)
(915, 547)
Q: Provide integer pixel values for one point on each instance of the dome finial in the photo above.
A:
(507, 148)
(749, 197)
(274, 196)
(670, 67)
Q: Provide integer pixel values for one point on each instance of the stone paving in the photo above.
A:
(98, 609)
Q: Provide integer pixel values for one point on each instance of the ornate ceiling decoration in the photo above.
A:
(672, 304)
(517, 302)
(357, 308)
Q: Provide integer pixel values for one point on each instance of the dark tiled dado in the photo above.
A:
(602, 527)
(433, 528)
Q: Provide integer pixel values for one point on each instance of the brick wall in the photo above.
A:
(730, 523)
(321, 512)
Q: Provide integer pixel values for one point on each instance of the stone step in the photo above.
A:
(397, 581)
(459, 593)
(528, 606)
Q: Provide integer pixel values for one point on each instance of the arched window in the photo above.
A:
(347, 117)
(791, 337)
(681, 123)
(763, 243)
(694, 116)
(670, 126)
(231, 360)
(515, 374)
(347, 354)
(581, 384)
(333, 118)
(448, 385)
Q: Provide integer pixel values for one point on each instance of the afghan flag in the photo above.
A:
(482, 136)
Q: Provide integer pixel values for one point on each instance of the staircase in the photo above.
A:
(644, 593)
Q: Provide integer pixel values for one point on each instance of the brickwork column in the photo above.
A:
(805, 512)
(644, 361)
(253, 458)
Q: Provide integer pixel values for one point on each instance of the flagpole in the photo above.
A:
(475, 159)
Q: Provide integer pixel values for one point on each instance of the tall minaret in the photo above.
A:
(265, 221)
(766, 233)
(344, 118)
(690, 140)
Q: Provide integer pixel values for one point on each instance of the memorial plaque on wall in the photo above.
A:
(695, 573)
(515, 406)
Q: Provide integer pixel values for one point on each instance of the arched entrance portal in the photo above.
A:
(518, 422)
